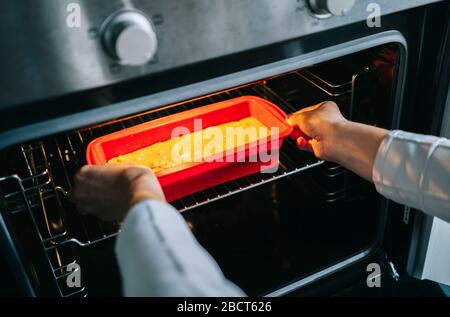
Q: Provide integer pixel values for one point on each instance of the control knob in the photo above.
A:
(129, 37)
(327, 8)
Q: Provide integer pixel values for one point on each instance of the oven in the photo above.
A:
(310, 228)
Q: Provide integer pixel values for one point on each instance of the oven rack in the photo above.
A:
(332, 90)
(52, 162)
(64, 154)
(336, 90)
(23, 199)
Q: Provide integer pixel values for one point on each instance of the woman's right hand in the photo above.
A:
(319, 127)
(325, 131)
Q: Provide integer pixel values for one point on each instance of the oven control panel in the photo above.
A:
(73, 45)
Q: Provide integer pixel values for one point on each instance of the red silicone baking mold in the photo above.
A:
(188, 178)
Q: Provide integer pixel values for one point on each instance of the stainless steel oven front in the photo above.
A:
(272, 234)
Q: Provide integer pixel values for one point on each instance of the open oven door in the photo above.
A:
(312, 228)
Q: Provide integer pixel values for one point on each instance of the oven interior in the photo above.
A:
(264, 230)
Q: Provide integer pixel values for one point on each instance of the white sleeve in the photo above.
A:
(414, 170)
(159, 256)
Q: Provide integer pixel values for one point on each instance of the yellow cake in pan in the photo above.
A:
(196, 146)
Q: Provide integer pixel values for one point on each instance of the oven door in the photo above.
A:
(311, 228)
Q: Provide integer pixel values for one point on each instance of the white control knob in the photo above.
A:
(327, 8)
(129, 37)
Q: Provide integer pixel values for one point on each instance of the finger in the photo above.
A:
(304, 144)
(90, 179)
(83, 208)
(316, 148)
(79, 182)
(300, 120)
(295, 119)
(80, 188)
(86, 207)
(296, 133)
(94, 172)
(291, 120)
(90, 172)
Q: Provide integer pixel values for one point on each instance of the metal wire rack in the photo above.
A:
(41, 188)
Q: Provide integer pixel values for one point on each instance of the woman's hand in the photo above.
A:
(331, 137)
(109, 191)
(319, 129)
